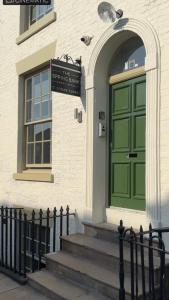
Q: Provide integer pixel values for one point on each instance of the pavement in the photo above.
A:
(11, 290)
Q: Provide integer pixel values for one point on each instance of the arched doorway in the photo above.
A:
(127, 107)
(97, 94)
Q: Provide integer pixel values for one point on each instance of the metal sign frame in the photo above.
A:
(66, 77)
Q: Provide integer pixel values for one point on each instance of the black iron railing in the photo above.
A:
(148, 271)
(25, 238)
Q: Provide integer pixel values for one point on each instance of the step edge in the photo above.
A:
(74, 284)
(41, 285)
(89, 275)
(83, 273)
(64, 238)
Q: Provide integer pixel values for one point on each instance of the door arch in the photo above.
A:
(97, 95)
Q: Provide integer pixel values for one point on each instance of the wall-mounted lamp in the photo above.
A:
(107, 12)
(86, 39)
(78, 115)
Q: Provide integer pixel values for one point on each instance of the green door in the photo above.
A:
(127, 143)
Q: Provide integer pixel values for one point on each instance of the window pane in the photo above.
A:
(37, 90)
(47, 131)
(38, 153)
(37, 115)
(45, 109)
(37, 11)
(42, 10)
(30, 153)
(33, 13)
(28, 111)
(46, 152)
(50, 108)
(45, 82)
(37, 100)
(29, 89)
(49, 6)
(31, 133)
(131, 54)
(38, 132)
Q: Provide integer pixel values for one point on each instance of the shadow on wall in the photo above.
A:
(83, 90)
(120, 24)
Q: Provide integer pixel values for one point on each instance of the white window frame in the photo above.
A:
(41, 121)
(38, 15)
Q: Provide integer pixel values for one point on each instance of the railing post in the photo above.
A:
(33, 233)
(132, 262)
(162, 271)
(136, 268)
(151, 265)
(20, 239)
(11, 238)
(40, 239)
(142, 263)
(6, 237)
(54, 229)
(24, 244)
(47, 231)
(15, 238)
(67, 220)
(121, 262)
(61, 226)
(2, 236)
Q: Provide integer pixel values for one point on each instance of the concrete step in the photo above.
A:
(58, 288)
(105, 254)
(88, 274)
(104, 231)
(107, 232)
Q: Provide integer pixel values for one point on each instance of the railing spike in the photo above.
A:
(150, 226)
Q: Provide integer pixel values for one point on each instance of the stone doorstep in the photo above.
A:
(86, 272)
(109, 232)
(60, 288)
(110, 249)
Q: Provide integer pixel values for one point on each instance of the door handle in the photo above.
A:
(132, 155)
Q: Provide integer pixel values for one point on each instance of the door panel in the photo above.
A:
(139, 180)
(127, 143)
(139, 95)
(121, 134)
(121, 180)
(139, 132)
(121, 102)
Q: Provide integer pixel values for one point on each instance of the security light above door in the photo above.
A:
(107, 12)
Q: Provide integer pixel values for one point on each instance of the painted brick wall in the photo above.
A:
(74, 19)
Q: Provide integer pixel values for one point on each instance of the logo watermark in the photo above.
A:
(26, 2)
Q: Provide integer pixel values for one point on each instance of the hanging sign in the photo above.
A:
(65, 78)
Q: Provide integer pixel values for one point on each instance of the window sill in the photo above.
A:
(41, 175)
(37, 26)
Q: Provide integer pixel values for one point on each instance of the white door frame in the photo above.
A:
(96, 97)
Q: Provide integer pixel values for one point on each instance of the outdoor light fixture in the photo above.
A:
(78, 115)
(107, 12)
(86, 39)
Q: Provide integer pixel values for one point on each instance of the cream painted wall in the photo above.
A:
(74, 19)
